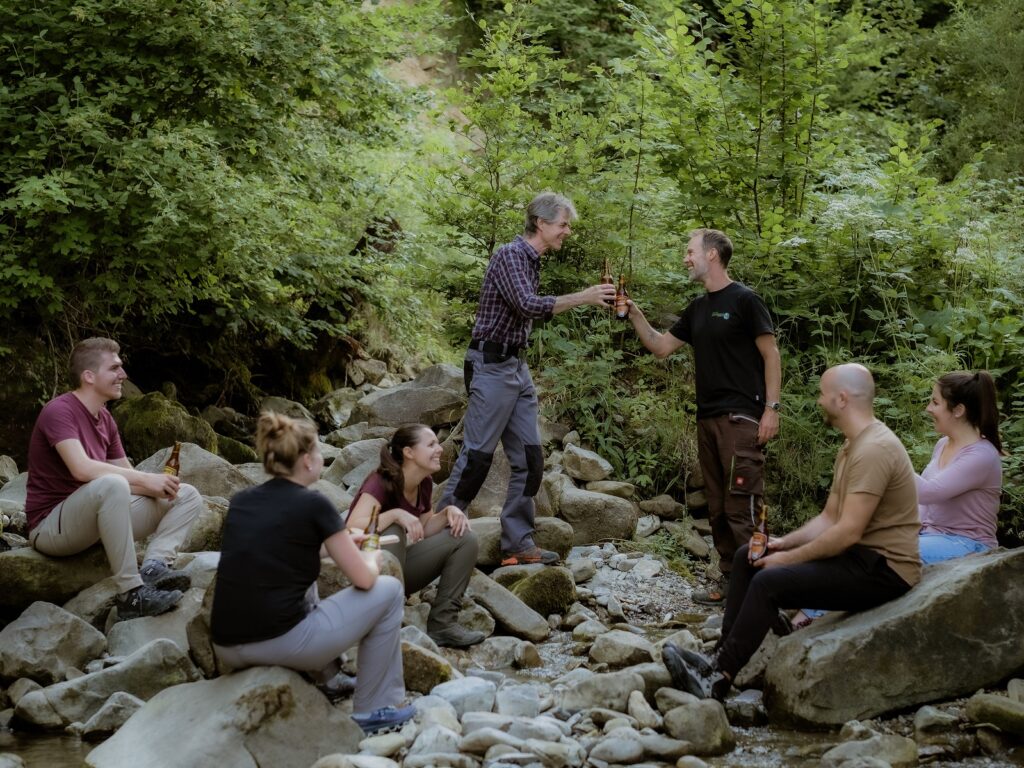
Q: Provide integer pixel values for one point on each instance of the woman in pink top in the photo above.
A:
(958, 492)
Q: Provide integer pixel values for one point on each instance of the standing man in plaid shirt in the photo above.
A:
(502, 398)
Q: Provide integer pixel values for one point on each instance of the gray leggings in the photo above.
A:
(371, 617)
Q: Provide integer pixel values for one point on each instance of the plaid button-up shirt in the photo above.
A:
(508, 297)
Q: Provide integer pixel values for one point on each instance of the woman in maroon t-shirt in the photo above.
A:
(431, 544)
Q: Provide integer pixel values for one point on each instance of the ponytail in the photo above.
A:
(977, 393)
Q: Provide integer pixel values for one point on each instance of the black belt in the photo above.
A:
(494, 348)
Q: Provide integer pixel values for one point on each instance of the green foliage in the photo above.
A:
(195, 172)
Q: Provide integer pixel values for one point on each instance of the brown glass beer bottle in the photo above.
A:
(173, 465)
(621, 308)
(759, 541)
(606, 276)
(372, 540)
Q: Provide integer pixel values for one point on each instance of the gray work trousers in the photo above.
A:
(371, 617)
(453, 558)
(502, 406)
(105, 510)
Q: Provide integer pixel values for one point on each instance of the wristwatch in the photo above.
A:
(776, 406)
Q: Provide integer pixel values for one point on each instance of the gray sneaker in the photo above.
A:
(157, 574)
(454, 636)
(146, 601)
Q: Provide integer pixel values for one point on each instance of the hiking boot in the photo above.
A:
(713, 595)
(146, 601)
(693, 673)
(530, 556)
(384, 719)
(157, 574)
(455, 636)
(339, 687)
(782, 625)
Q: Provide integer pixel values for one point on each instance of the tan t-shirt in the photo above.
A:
(876, 462)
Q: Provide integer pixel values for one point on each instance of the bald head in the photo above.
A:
(853, 379)
(847, 397)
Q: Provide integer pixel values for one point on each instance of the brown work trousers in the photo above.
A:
(733, 465)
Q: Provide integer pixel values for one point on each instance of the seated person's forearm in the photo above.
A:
(436, 523)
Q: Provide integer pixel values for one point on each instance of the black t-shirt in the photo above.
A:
(722, 327)
(270, 555)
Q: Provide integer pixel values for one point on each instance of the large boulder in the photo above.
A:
(8, 470)
(15, 490)
(965, 618)
(594, 517)
(263, 716)
(355, 462)
(146, 672)
(333, 409)
(152, 422)
(436, 397)
(44, 642)
(550, 533)
(209, 473)
(126, 637)
(286, 407)
(27, 576)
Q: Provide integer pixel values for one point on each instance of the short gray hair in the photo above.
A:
(546, 207)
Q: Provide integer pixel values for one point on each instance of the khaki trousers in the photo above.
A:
(105, 510)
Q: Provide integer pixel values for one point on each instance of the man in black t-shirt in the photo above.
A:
(739, 378)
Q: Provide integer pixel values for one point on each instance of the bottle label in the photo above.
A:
(371, 543)
(758, 546)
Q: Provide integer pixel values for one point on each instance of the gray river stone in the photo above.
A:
(1004, 713)
(435, 739)
(352, 457)
(262, 716)
(26, 576)
(617, 749)
(894, 751)
(608, 689)
(586, 466)
(885, 659)
(145, 673)
(702, 723)
(210, 474)
(470, 694)
(112, 715)
(44, 642)
(617, 648)
(435, 398)
(508, 610)
(594, 517)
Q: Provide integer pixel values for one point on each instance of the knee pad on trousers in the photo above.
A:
(534, 469)
(478, 464)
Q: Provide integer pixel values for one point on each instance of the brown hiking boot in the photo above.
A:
(530, 556)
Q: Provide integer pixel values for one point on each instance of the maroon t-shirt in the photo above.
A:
(376, 487)
(49, 479)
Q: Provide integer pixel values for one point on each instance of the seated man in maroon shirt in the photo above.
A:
(82, 488)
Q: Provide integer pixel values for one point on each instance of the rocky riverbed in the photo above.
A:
(570, 673)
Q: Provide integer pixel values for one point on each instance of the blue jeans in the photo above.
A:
(936, 547)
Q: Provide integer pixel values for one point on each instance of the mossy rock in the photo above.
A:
(235, 451)
(152, 422)
(549, 591)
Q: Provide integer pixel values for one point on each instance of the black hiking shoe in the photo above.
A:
(693, 673)
(159, 575)
(454, 636)
(146, 601)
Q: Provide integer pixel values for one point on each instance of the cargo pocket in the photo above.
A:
(467, 373)
(746, 474)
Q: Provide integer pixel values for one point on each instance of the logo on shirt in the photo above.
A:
(723, 315)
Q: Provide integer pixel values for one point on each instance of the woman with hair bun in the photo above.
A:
(431, 544)
(265, 610)
(958, 492)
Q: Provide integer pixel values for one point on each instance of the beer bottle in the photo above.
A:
(173, 465)
(759, 541)
(606, 276)
(372, 540)
(621, 308)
